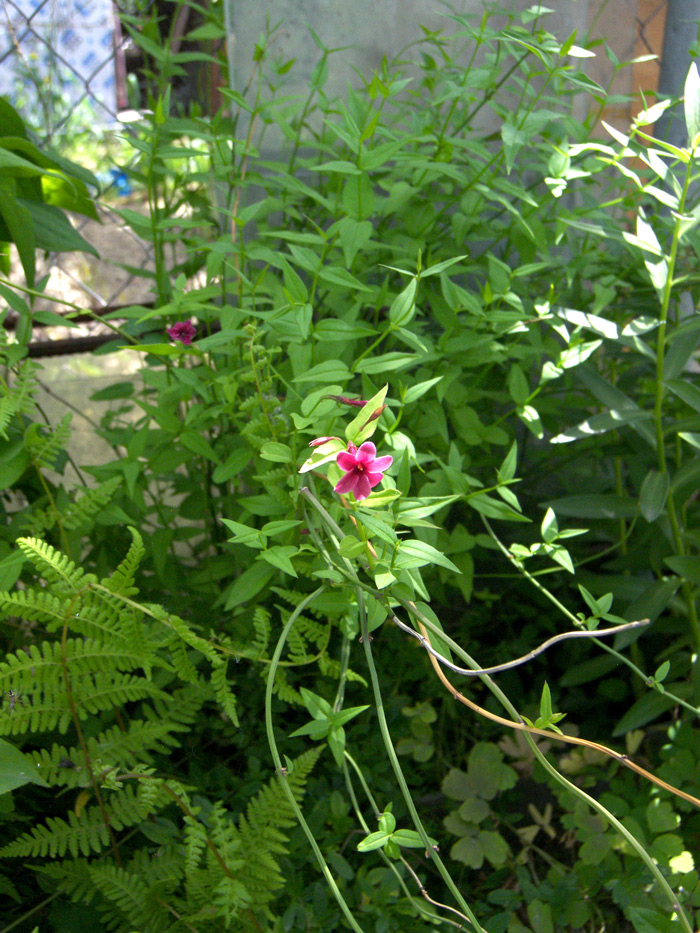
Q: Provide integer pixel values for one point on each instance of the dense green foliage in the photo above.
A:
(516, 308)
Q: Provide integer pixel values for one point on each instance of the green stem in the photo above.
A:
(420, 909)
(398, 772)
(281, 770)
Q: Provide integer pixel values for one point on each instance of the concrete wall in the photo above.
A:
(375, 28)
(370, 29)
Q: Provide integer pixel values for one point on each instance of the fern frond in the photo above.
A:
(25, 387)
(35, 606)
(331, 667)
(262, 627)
(38, 677)
(223, 694)
(272, 475)
(180, 661)
(195, 843)
(283, 689)
(8, 409)
(77, 835)
(7, 889)
(121, 581)
(39, 521)
(44, 449)
(52, 565)
(259, 831)
(229, 896)
(111, 689)
(82, 512)
(132, 896)
(70, 877)
(60, 766)
(131, 805)
(182, 630)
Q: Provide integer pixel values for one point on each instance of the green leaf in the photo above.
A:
(493, 508)
(686, 567)
(248, 585)
(316, 730)
(683, 344)
(403, 306)
(411, 511)
(418, 391)
(294, 285)
(377, 526)
(232, 466)
(414, 553)
(316, 705)
(410, 839)
(277, 453)
(279, 556)
(53, 230)
(351, 547)
(242, 534)
(691, 105)
(653, 494)
(19, 223)
(540, 916)
(441, 266)
(331, 329)
(360, 428)
(686, 391)
(330, 371)
(602, 423)
(373, 841)
(199, 445)
(644, 711)
(16, 769)
(353, 235)
(517, 385)
(387, 362)
(323, 454)
(340, 167)
(661, 817)
(645, 920)
(10, 570)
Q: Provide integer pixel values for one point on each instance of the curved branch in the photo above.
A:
(467, 672)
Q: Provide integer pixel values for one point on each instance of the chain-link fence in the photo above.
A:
(64, 64)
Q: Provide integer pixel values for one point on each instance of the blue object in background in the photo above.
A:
(120, 181)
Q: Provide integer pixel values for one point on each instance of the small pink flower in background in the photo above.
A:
(363, 469)
(183, 331)
(321, 440)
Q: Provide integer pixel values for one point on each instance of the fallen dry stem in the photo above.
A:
(556, 736)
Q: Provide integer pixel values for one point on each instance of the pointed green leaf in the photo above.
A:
(653, 494)
(691, 104)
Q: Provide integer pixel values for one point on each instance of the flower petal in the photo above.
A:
(374, 478)
(347, 483)
(382, 463)
(363, 486)
(366, 452)
(346, 461)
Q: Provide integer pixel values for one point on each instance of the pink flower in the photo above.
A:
(363, 469)
(183, 331)
(322, 440)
